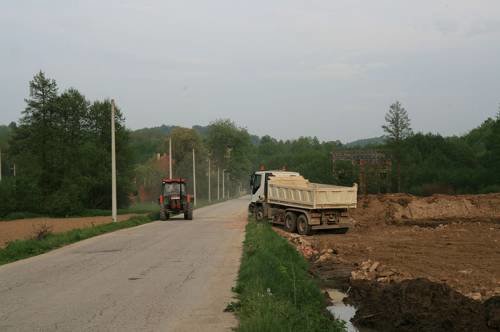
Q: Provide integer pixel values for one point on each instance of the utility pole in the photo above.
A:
(223, 191)
(218, 185)
(170, 157)
(209, 185)
(113, 162)
(194, 179)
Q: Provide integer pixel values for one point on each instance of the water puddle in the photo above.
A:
(343, 311)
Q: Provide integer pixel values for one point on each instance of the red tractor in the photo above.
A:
(174, 199)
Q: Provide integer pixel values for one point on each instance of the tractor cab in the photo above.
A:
(174, 199)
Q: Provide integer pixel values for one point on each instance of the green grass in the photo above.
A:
(275, 290)
(20, 249)
(138, 208)
(20, 215)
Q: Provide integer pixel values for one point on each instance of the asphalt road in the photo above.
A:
(164, 276)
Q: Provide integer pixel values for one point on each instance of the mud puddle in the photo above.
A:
(408, 305)
(343, 311)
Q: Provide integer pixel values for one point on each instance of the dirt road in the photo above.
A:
(164, 276)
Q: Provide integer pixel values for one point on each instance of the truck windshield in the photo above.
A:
(256, 183)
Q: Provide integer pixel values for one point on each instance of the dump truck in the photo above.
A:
(288, 199)
(174, 199)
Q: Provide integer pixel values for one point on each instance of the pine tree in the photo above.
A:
(397, 128)
(35, 131)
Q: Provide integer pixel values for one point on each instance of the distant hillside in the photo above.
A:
(145, 142)
(361, 143)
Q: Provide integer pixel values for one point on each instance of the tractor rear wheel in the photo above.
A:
(303, 227)
(291, 222)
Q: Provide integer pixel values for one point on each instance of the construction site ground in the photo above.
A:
(413, 263)
(27, 228)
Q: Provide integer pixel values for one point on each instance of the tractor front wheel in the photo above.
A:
(188, 215)
(163, 214)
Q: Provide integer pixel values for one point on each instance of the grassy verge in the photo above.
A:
(21, 249)
(138, 208)
(275, 291)
(20, 215)
(141, 208)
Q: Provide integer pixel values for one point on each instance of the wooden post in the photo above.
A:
(209, 184)
(194, 179)
(170, 157)
(113, 162)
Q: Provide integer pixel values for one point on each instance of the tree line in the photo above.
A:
(430, 163)
(61, 149)
(422, 163)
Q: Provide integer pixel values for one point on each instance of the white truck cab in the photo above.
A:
(258, 183)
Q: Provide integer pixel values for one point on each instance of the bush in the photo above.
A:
(428, 189)
(7, 196)
(64, 202)
(494, 188)
(27, 195)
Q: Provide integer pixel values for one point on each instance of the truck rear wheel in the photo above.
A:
(291, 222)
(303, 227)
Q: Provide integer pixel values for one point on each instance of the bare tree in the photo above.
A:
(397, 128)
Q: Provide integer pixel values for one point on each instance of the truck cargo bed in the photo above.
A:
(298, 192)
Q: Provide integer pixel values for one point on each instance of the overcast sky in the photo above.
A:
(287, 68)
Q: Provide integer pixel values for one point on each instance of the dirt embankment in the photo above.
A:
(420, 305)
(404, 209)
(28, 228)
(416, 263)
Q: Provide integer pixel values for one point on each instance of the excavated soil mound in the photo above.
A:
(437, 209)
(420, 305)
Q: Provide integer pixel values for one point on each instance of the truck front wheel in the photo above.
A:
(303, 227)
(290, 222)
(259, 213)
